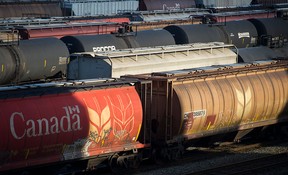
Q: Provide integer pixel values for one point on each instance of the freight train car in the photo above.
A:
(31, 60)
(107, 42)
(61, 30)
(80, 124)
(243, 33)
(271, 32)
(103, 7)
(62, 122)
(196, 103)
(147, 60)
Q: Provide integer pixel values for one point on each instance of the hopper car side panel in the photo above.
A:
(197, 107)
(70, 125)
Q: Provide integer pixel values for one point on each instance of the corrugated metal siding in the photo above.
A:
(223, 3)
(87, 8)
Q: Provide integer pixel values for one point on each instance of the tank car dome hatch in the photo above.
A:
(241, 33)
(151, 38)
(271, 31)
(256, 54)
(195, 33)
(92, 43)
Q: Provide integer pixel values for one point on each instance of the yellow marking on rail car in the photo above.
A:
(45, 62)
(2, 67)
(138, 132)
(27, 153)
(255, 118)
(208, 126)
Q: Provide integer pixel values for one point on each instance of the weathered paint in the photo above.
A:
(235, 100)
(51, 128)
(216, 101)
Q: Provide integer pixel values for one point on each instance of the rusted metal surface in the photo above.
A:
(60, 30)
(42, 126)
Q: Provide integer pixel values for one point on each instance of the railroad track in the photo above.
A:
(252, 166)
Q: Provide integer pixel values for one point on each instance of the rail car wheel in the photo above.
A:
(114, 163)
(119, 163)
(135, 160)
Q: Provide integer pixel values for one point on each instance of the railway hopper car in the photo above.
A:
(84, 123)
(63, 122)
(147, 60)
(33, 60)
(195, 103)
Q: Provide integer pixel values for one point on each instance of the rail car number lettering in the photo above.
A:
(199, 113)
(244, 35)
(44, 126)
(104, 49)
